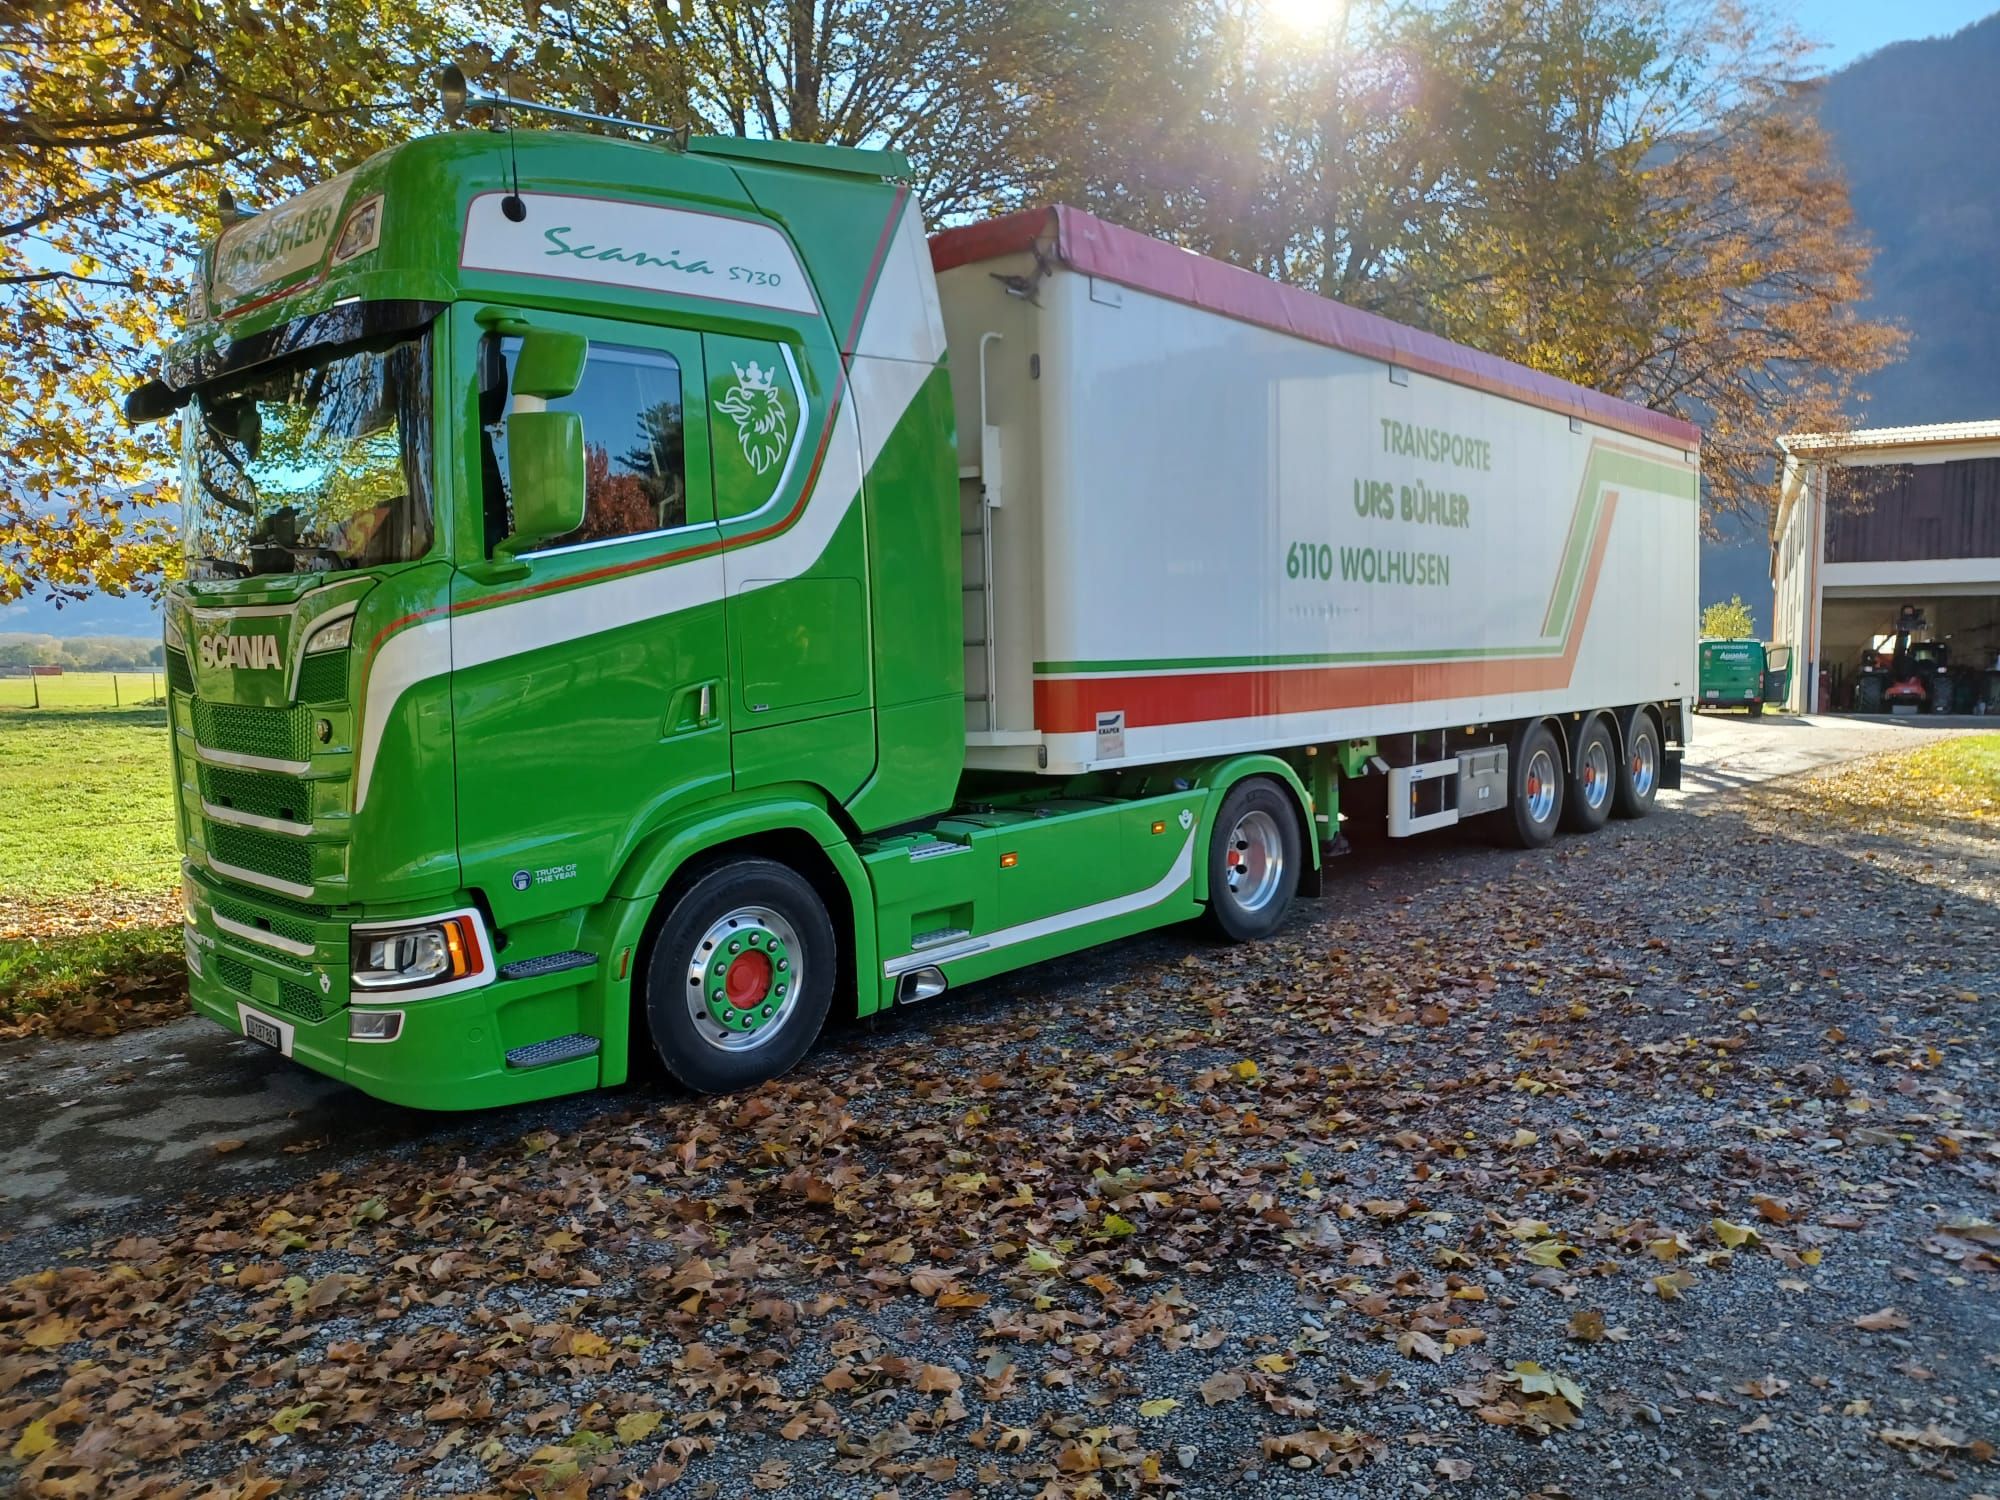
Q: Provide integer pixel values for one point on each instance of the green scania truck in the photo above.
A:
(612, 625)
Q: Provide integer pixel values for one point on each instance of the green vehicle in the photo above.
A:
(607, 629)
(1744, 674)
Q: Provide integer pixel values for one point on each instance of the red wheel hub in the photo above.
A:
(748, 982)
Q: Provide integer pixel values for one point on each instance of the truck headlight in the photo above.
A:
(417, 954)
(332, 637)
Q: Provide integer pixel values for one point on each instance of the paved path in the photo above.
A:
(1733, 749)
(100, 1129)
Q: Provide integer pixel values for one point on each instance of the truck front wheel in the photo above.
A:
(740, 976)
(1253, 861)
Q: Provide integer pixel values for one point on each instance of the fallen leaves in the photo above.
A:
(1199, 1225)
(1223, 1386)
(1884, 1320)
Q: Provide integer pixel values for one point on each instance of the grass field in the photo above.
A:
(83, 690)
(88, 805)
(89, 936)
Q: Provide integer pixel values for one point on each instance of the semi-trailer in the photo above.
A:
(640, 597)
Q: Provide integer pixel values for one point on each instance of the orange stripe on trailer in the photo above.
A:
(1070, 705)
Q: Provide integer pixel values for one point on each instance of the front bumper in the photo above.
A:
(451, 1051)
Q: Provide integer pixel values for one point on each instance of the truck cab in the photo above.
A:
(500, 564)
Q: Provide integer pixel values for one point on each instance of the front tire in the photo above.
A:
(1593, 779)
(1253, 861)
(740, 976)
(1639, 771)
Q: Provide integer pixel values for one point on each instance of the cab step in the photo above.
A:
(548, 963)
(557, 1049)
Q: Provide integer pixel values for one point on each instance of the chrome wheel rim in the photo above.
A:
(1595, 774)
(743, 979)
(1255, 867)
(1541, 786)
(1645, 765)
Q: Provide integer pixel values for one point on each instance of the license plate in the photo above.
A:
(268, 1030)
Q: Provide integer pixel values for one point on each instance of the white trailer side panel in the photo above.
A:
(1224, 537)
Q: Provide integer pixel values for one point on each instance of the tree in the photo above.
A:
(1631, 194)
(119, 124)
(1662, 220)
(120, 120)
(1728, 622)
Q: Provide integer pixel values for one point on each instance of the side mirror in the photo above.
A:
(549, 364)
(545, 462)
(152, 401)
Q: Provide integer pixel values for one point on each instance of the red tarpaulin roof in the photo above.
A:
(1090, 245)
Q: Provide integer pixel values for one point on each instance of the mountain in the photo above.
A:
(1915, 125)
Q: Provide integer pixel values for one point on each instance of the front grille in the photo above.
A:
(179, 677)
(272, 854)
(263, 794)
(300, 1000)
(323, 678)
(296, 999)
(279, 925)
(273, 733)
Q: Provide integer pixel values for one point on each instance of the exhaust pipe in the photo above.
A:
(920, 984)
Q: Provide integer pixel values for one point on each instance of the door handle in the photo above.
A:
(693, 708)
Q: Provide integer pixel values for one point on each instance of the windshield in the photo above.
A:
(311, 466)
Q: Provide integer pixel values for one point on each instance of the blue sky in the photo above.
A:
(1850, 28)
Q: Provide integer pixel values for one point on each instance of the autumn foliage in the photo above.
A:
(1628, 193)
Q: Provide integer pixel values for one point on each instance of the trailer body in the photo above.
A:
(1232, 515)
(640, 598)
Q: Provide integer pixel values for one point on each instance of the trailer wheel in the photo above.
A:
(1639, 771)
(740, 976)
(1593, 779)
(1535, 797)
(1253, 861)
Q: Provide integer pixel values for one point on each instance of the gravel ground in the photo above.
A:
(1659, 1162)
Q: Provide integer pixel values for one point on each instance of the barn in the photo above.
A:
(1885, 569)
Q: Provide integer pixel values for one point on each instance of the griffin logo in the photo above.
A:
(754, 404)
(257, 652)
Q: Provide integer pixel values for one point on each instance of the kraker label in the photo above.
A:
(1111, 735)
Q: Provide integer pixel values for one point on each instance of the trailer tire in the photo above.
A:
(1639, 771)
(740, 976)
(1593, 780)
(1535, 790)
(1254, 858)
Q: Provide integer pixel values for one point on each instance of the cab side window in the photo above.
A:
(634, 437)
